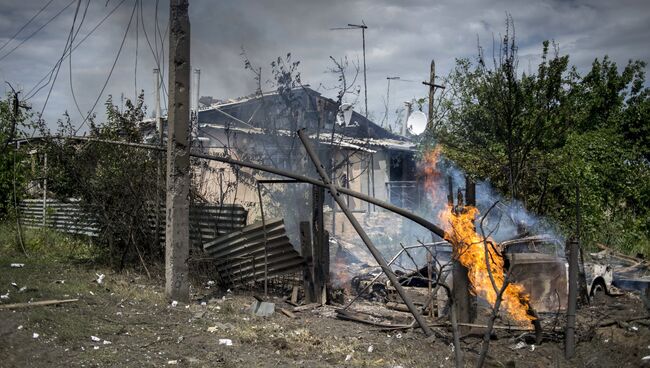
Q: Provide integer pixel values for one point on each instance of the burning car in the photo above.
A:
(540, 265)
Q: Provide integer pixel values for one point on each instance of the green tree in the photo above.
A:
(116, 185)
(540, 137)
(15, 122)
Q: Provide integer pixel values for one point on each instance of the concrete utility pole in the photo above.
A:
(177, 247)
(198, 89)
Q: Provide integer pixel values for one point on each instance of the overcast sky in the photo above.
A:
(402, 38)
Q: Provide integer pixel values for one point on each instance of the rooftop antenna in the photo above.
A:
(363, 28)
(388, 99)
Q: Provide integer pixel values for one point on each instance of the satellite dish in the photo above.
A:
(417, 122)
(345, 114)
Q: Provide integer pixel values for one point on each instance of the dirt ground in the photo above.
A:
(134, 326)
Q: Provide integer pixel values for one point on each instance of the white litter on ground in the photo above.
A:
(226, 342)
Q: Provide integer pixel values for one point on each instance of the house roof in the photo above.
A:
(258, 113)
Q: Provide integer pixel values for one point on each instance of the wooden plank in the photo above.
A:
(288, 313)
(37, 304)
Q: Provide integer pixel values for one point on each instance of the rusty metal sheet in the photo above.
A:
(240, 256)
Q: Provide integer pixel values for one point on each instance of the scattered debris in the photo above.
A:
(172, 362)
(15, 285)
(20, 327)
(35, 335)
(100, 278)
(95, 338)
(371, 348)
(221, 326)
(174, 303)
(17, 265)
(262, 309)
(5, 296)
(519, 345)
(106, 342)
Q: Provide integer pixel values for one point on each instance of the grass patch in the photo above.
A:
(44, 244)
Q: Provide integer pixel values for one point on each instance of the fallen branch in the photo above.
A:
(36, 304)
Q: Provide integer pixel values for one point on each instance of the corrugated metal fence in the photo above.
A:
(207, 222)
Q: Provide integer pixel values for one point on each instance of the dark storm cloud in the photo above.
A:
(402, 38)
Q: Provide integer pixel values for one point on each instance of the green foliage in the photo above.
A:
(541, 135)
(12, 165)
(117, 185)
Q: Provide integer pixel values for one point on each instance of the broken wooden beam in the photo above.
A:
(288, 313)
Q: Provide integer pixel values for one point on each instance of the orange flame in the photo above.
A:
(469, 249)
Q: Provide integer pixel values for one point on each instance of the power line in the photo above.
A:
(25, 25)
(36, 87)
(119, 51)
(36, 31)
(74, 97)
(68, 43)
(137, 39)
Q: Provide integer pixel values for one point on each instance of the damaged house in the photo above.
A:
(358, 153)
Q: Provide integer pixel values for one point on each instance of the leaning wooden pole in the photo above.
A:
(177, 239)
(364, 237)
